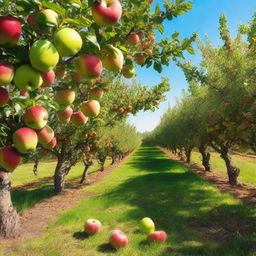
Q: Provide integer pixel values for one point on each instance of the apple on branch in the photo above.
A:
(48, 78)
(78, 118)
(6, 73)
(112, 59)
(65, 115)
(96, 94)
(4, 96)
(10, 158)
(65, 97)
(90, 108)
(45, 135)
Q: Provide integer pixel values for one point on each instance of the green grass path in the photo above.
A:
(199, 219)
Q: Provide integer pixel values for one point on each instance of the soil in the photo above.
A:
(34, 221)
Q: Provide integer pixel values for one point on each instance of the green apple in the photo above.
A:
(68, 42)
(147, 225)
(43, 56)
(128, 71)
(27, 79)
(46, 19)
(65, 97)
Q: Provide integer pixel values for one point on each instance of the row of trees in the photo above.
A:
(219, 109)
(58, 58)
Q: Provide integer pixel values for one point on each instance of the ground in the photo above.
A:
(198, 218)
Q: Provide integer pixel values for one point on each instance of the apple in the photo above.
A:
(129, 108)
(96, 94)
(25, 139)
(115, 107)
(76, 77)
(140, 59)
(43, 55)
(157, 236)
(87, 148)
(48, 78)
(78, 118)
(89, 66)
(92, 226)
(90, 108)
(133, 39)
(27, 79)
(128, 71)
(45, 135)
(147, 225)
(47, 19)
(32, 21)
(68, 42)
(112, 59)
(149, 51)
(51, 145)
(141, 34)
(36, 117)
(65, 116)
(6, 73)
(106, 13)
(10, 158)
(118, 239)
(65, 97)
(10, 31)
(24, 93)
(4, 96)
(61, 72)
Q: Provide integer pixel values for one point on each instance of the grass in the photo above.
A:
(247, 166)
(199, 219)
(24, 199)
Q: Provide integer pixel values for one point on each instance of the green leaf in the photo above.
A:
(158, 67)
(190, 49)
(93, 40)
(57, 8)
(79, 22)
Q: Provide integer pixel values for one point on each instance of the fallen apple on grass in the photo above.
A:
(92, 226)
(157, 236)
(118, 239)
(147, 225)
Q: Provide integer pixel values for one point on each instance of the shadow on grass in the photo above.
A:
(106, 248)
(80, 235)
(195, 216)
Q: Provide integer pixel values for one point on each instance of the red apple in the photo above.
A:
(76, 77)
(90, 108)
(141, 34)
(96, 94)
(10, 30)
(9, 158)
(78, 118)
(24, 93)
(25, 139)
(6, 73)
(118, 239)
(4, 96)
(65, 97)
(92, 226)
(106, 13)
(87, 148)
(45, 135)
(52, 144)
(133, 39)
(157, 236)
(48, 78)
(89, 66)
(36, 117)
(31, 19)
(149, 51)
(65, 116)
(140, 59)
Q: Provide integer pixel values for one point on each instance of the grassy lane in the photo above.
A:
(199, 219)
(247, 166)
(24, 199)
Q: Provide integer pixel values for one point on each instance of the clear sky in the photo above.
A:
(203, 19)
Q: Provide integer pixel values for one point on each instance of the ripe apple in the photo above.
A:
(9, 158)
(133, 39)
(27, 79)
(51, 145)
(24, 93)
(129, 108)
(48, 78)
(25, 139)
(92, 226)
(115, 107)
(140, 59)
(147, 225)
(78, 118)
(6, 73)
(65, 97)
(141, 34)
(10, 30)
(128, 71)
(118, 239)
(112, 59)
(43, 55)
(65, 116)
(96, 94)
(32, 21)
(36, 117)
(68, 42)
(87, 148)
(89, 66)
(90, 108)
(45, 135)
(157, 236)
(106, 13)
(76, 77)
(149, 51)
(4, 96)
(47, 19)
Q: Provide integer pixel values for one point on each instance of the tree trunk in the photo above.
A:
(113, 160)
(205, 158)
(233, 171)
(188, 154)
(9, 218)
(60, 174)
(102, 164)
(85, 173)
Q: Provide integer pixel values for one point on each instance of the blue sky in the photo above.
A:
(203, 19)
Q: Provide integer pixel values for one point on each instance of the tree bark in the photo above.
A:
(85, 173)
(188, 154)
(113, 160)
(205, 158)
(9, 218)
